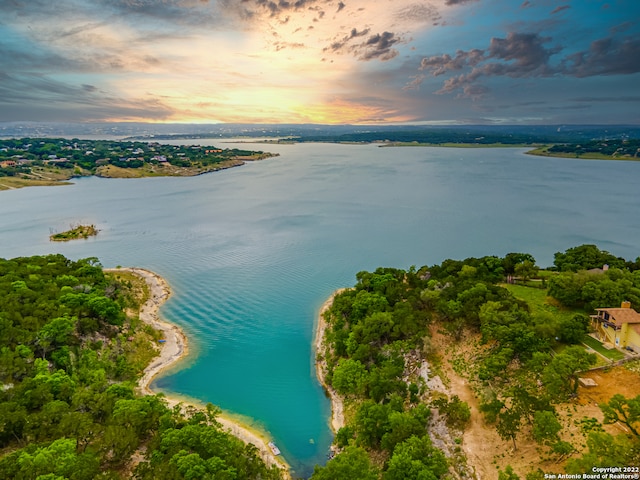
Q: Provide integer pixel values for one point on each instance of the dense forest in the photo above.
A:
(527, 363)
(72, 349)
(70, 356)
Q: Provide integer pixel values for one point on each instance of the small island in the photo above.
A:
(77, 231)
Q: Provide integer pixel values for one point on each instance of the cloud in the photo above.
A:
(63, 101)
(276, 8)
(420, 13)
(377, 46)
(475, 92)
(623, 98)
(439, 65)
(458, 2)
(526, 55)
(560, 9)
(517, 55)
(606, 56)
(414, 84)
(339, 45)
(526, 50)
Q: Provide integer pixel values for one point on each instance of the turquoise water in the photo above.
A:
(252, 252)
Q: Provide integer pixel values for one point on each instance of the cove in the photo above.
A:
(252, 252)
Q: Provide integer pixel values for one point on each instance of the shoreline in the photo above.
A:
(174, 349)
(337, 405)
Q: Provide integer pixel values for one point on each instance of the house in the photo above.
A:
(618, 326)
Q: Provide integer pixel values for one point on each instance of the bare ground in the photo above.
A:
(487, 453)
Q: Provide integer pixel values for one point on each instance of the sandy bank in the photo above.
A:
(175, 348)
(337, 406)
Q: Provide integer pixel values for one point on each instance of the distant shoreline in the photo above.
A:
(173, 350)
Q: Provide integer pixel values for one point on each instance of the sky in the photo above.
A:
(321, 61)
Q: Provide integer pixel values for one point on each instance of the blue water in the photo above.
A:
(252, 252)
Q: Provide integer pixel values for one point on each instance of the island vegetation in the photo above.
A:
(470, 369)
(51, 161)
(74, 233)
(72, 348)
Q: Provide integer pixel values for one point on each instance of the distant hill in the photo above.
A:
(510, 134)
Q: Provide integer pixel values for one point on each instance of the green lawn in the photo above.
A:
(538, 300)
(612, 354)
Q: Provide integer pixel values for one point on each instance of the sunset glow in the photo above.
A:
(320, 61)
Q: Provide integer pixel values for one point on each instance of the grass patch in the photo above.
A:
(538, 300)
(597, 346)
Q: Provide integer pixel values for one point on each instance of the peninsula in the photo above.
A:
(84, 340)
(484, 368)
(54, 161)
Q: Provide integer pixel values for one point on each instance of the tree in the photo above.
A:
(402, 425)
(526, 270)
(508, 474)
(545, 427)
(585, 257)
(57, 331)
(511, 260)
(508, 425)
(352, 464)
(349, 377)
(560, 375)
(371, 423)
(58, 458)
(572, 330)
(605, 450)
(623, 410)
(416, 459)
(458, 412)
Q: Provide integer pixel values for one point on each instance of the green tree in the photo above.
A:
(545, 427)
(371, 423)
(508, 474)
(352, 464)
(416, 459)
(560, 375)
(457, 411)
(509, 422)
(623, 410)
(511, 260)
(349, 377)
(605, 450)
(572, 330)
(58, 458)
(585, 257)
(526, 270)
(402, 425)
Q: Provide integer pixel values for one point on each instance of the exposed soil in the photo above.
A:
(487, 453)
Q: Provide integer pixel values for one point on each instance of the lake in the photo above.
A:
(252, 252)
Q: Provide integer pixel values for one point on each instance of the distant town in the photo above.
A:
(38, 161)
